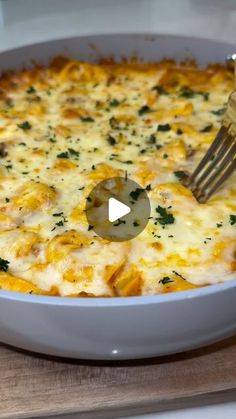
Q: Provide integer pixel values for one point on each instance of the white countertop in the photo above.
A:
(27, 21)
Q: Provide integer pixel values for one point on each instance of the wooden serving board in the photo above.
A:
(36, 386)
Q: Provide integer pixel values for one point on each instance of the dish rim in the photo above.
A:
(149, 38)
(94, 302)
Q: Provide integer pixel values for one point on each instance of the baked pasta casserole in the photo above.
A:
(68, 126)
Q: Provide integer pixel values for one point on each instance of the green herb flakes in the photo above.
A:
(31, 90)
(73, 152)
(87, 119)
(160, 90)
(232, 219)
(143, 110)
(114, 103)
(136, 193)
(4, 265)
(187, 92)
(166, 280)
(67, 154)
(180, 174)
(164, 128)
(63, 155)
(219, 112)
(152, 139)
(26, 126)
(207, 128)
(165, 217)
(111, 140)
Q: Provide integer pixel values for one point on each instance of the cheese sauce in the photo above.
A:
(65, 128)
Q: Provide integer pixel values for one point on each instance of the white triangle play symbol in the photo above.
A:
(116, 209)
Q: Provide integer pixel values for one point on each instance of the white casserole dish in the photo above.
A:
(119, 328)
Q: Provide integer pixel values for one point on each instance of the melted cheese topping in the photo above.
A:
(66, 127)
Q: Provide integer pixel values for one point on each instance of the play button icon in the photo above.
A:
(118, 209)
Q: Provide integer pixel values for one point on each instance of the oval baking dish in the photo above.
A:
(130, 327)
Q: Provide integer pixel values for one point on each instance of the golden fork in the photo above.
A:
(220, 160)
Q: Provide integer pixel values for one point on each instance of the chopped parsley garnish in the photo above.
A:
(73, 152)
(165, 156)
(149, 187)
(179, 131)
(114, 102)
(187, 92)
(119, 222)
(205, 95)
(164, 127)
(90, 227)
(232, 219)
(219, 112)
(63, 155)
(135, 224)
(111, 140)
(180, 174)
(165, 216)
(128, 162)
(7, 200)
(219, 225)
(4, 265)
(114, 124)
(60, 223)
(26, 126)
(176, 273)
(160, 90)
(165, 280)
(152, 139)
(67, 154)
(136, 193)
(207, 128)
(143, 110)
(30, 90)
(87, 119)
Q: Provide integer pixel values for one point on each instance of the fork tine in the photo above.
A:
(225, 155)
(220, 136)
(227, 158)
(228, 142)
(203, 198)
